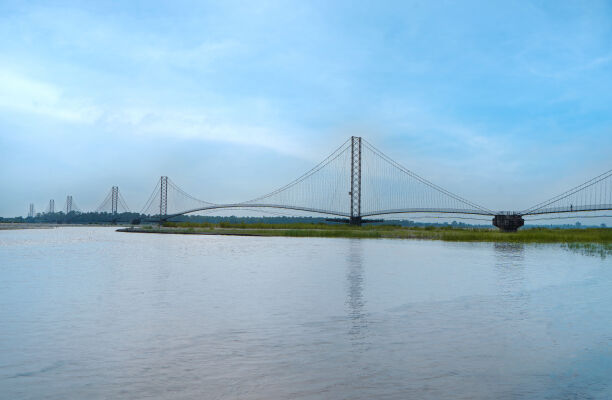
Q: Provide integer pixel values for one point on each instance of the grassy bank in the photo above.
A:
(601, 236)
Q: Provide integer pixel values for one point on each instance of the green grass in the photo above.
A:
(540, 235)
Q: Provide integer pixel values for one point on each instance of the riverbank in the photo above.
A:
(29, 225)
(539, 235)
(13, 226)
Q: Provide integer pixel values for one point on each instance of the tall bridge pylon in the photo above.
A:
(355, 192)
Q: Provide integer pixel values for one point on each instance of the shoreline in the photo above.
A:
(176, 232)
(11, 226)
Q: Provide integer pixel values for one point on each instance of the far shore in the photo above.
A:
(4, 226)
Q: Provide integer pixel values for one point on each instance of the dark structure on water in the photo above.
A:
(508, 222)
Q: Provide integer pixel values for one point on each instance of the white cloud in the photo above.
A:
(19, 93)
(202, 125)
(23, 94)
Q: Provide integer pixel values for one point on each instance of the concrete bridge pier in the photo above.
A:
(508, 222)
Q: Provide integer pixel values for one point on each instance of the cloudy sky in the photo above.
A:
(505, 103)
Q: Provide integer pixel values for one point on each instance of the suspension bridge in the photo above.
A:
(357, 183)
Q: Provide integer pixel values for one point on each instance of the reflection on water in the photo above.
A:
(91, 313)
(513, 297)
(354, 300)
(509, 252)
(510, 266)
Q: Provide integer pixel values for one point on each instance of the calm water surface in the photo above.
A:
(92, 313)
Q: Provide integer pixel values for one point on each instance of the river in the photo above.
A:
(93, 313)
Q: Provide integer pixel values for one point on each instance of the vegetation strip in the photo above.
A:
(602, 236)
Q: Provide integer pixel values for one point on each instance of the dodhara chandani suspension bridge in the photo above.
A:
(358, 182)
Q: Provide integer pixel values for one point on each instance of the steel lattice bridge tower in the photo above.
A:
(357, 182)
(112, 203)
(355, 192)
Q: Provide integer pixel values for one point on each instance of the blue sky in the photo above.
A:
(504, 103)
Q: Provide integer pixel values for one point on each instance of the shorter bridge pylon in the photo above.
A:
(163, 198)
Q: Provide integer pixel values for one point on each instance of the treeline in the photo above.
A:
(75, 217)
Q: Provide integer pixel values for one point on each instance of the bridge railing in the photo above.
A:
(571, 209)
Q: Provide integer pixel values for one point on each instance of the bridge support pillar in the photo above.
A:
(355, 192)
(508, 222)
(68, 204)
(163, 198)
(114, 199)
